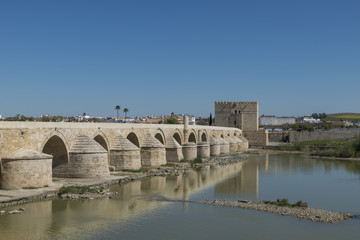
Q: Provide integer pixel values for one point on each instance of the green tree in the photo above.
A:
(171, 121)
(125, 111)
(210, 120)
(117, 108)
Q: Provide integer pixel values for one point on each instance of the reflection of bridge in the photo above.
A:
(135, 199)
(87, 149)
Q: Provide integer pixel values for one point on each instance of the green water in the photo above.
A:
(142, 209)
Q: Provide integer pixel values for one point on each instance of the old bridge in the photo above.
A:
(32, 152)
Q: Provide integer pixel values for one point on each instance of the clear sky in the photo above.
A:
(157, 57)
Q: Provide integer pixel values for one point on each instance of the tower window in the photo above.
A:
(235, 111)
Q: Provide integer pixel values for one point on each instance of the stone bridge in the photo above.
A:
(36, 151)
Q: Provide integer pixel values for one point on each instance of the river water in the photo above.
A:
(142, 209)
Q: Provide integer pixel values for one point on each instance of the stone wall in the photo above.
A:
(257, 138)
(333, 134)
(277, 136)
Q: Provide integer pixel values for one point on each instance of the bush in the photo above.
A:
(140, 170)
(76, 190)
(197, 160)
(171, 121)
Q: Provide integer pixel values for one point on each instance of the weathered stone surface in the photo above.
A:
(26, 168)
(173, 151)
(152, 152)
(233, 146)
(224, 146)
(203, 149)
(87, 159)
(124, 154)
(214, 147)
(189, 151)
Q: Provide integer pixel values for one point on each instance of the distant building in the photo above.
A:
(310, 120)
(273, 120)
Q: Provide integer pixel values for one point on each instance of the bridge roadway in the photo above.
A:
(126, 146)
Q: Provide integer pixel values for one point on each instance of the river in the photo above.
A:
(142, 209)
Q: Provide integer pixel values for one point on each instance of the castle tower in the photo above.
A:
(243, 115)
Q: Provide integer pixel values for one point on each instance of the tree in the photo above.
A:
(125, 111)
(210, 120)
(117, 108)
(171, 121)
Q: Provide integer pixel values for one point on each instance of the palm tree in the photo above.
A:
(117, 108)
(125, 111)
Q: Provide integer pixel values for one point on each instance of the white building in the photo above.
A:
(273, 120)
(311, 120)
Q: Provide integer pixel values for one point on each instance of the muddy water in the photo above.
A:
(142, 209)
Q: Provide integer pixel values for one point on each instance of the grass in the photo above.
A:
(349, 149)
(305, 146)
(30, 187)
(196, 160)
(76, 190)
(169, 165)
(283, 203)
(140, 170)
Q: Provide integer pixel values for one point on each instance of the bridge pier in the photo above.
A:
(152, 152)
(189, 150)
(203, 149)
(173, 151)
(233, 146)
(224, 146)
(87, 159)
(124, 154)
(26, 168)
(214, 147)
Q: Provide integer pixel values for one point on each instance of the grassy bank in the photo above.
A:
(336, 148)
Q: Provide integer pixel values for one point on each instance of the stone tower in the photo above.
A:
(243, 115)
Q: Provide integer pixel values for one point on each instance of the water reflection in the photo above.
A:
(259, 177)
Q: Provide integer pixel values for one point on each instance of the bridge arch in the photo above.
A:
(204, 137)
(57, 146)
(159, 135)
(101, 139)
(132, 137)
(192, 137)
(177, 137)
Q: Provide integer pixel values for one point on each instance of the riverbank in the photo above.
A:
(20, 196)
(307, 213)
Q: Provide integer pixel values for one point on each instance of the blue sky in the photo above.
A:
(158, 57)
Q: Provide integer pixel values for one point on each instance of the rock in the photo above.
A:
(15, 212)
(21, 209)
(2, 212)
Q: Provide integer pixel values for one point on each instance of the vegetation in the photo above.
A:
(283, 203)
(335, 148)
(319, 115)
(169, 165)
(350, 149)
(76, 190)
(210, 120)
(30, 187)
(171, 121)
(141, 170)
(126, 111)
(196, 160)
(117, 108)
